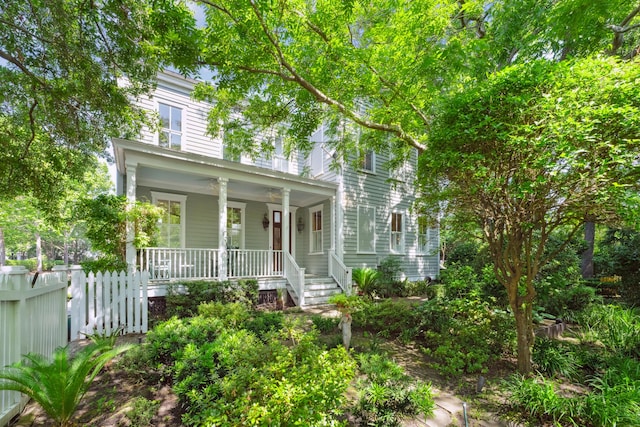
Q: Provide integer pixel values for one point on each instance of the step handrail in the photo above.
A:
(340, 273)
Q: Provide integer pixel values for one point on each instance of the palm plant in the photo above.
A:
(367, 279)
(59, 385)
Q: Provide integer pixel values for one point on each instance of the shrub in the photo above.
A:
(325, 324)
(104, 264)
(537, 398)
(59, 385)
(616, 327)
(142, 412)
(183, 299)
(417, 288)
(463, 335)
(387, 394)
(388, 318)
(553, 357)
(233, 315)
(460, 281)
(366, 279)
(264, 322)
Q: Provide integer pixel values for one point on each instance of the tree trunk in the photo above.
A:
(66, 249)
(39, 251)
(586, 266)
(524, 327)
(3, 252)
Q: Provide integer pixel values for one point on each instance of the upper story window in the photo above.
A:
(171, 126)
(315, 214)
(280, 162)
(397, 233)
(172, 220)
(235, 225)
(369, 162)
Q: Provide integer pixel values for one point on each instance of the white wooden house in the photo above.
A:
(290, 222)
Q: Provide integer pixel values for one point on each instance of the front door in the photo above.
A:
(277, 239)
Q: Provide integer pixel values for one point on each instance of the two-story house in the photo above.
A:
(290, 222)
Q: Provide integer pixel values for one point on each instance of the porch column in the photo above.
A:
(333, 219)
(286, 224)
(130, 251)
(222, 228)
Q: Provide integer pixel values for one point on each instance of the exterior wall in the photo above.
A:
(318, 263)
(375, 190)
(174, 90)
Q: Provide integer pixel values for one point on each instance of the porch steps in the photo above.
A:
(317, 290)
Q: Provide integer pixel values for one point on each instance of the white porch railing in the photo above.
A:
(253, 263)
(340, 273)
(295, 277)
(33, 319)
(165, 264)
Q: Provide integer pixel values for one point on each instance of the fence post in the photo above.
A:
(78, 301)
(62, 272)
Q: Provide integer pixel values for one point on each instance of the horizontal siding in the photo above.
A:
(317, 264)
(375, 190)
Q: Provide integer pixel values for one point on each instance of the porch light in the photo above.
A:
(300, 224)
(265, 221)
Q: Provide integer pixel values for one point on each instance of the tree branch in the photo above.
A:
(15, 61)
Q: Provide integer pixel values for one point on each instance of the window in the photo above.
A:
(235, 222)
(171, 228)
(369, 161)
(425, 230)
(397, 233)
(171, 126)
(315, 218)
(399, 172)
(280, 161)
(366, 229)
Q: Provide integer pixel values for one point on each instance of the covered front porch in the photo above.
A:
(227, 221)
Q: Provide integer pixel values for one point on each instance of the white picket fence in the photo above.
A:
(36, 315)
(105, 303)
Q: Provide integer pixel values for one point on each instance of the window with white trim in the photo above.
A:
(172, 224)
(366, 229)
(369, 161)
(397, 232)
(171, 126)
(235, 225)
(315, 240)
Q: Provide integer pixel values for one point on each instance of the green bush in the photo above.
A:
(366, 279)
(538, 399)
(142, 412)
(460, 281)
(233, 315)
(553, 357)
(464, 335)
(616, 327)
(31, 264)
(264, 383)
(183, 299)
(388, 318)
(386, 395)
(263, 322)
(325, 324)
(417, 288)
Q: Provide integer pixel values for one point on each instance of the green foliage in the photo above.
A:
(615, 327)
(366, 279)
(104, 264)
(464, 335)
(325, 324)
(417, 288)
(59, 385)
(142, 412)
(390, 269)
(264, 322)
(347, 304)
(617, 254)
(389, 318)
(552, 357)
(612, 398)
(184, 299)
(460, 281)
(61, 90)
(32, 263)
(106, 218)
(387, 395)
(232, 315)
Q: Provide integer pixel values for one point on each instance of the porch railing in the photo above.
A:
(295, 277)
(165, 264)
(340, 273)
(253, 263)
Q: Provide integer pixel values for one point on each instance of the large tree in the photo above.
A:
(381, 66)
(531, 151)
(61, 94)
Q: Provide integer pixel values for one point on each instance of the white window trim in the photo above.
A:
(403, 226)
(183, 110)
(373, 164)
(242, 207)
(179, 198)
(401, 173)
(311, 211)
(375, 235)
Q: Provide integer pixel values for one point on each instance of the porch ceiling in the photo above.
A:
(236, 190)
